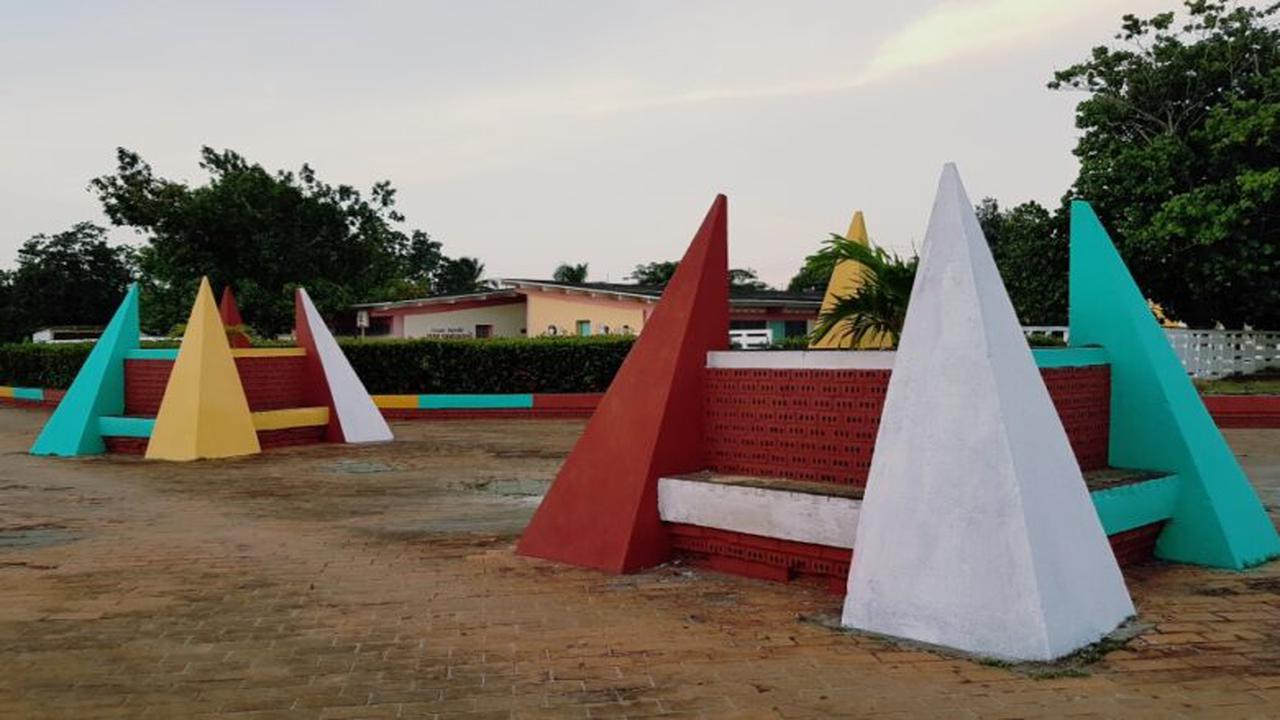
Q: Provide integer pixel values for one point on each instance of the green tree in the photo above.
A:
(1180, 155)
(74, 277)
(659, 273)
(813, 276)
(878, 308)
(461, 275)
(655, 274)
(1030, 245)
(265, 233)
(746, 278)
(571, 274)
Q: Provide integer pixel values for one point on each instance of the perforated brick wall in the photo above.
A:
(126, 445)
(820, 425)
(1137, 545)
(273, 383)
(270, 383)
(787, 561)
(815, 425)
(291, 436)
(144, 384)
(1082, 397)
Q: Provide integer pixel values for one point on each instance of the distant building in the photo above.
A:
(67, 334)
(533, 308)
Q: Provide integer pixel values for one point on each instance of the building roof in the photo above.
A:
(738, 296)
(501, 294)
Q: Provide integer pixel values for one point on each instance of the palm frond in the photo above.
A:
(878, 308)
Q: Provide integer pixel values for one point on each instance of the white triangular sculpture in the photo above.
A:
(359, 419)
(977, 531)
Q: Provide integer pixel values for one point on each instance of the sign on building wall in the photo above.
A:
(445, 332)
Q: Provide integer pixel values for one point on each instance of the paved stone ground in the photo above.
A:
(380, 582)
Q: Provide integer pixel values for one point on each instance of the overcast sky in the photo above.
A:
(530, 133)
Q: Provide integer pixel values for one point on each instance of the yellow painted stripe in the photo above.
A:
(396, 402)
(6, 391)
(290, 418)
(268, 352)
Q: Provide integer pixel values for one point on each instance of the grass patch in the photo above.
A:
(1263, 382)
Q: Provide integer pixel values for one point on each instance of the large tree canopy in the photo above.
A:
(660, 272)
(267, 233)
(74, 277)
(1029, 244)
(572, 274)
(1180, 156)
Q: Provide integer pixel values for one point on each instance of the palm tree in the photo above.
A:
(570, 274)
(457, 276)
(878, 307)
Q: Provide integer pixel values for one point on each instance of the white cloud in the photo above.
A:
(950, 31)
(958, 29)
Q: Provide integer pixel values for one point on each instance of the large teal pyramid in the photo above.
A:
(97, 390)
(1158, 421)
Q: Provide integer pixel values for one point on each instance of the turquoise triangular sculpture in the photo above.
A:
(97, 390)
(1158, 420)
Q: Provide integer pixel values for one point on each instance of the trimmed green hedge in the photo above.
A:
(544, 365)
(41, 365)
(534, 365)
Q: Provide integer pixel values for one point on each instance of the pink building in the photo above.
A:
(533, 308)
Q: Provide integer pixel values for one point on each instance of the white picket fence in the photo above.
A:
(1209, 354)
(1218, 353)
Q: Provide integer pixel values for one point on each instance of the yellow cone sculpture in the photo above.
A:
(845, 280)
(204, 413)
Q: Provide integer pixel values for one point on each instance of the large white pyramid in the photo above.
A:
(977, 531)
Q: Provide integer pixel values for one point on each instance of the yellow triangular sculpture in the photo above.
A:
(204, 413)
(846, 278)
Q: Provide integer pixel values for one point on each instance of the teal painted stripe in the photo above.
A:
(113, 426)
(474, 402)
(1130, 506)
(28, 394)
(1069, 357)
(152, 354)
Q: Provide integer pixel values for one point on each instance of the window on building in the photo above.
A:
(584, 328)
(796, 328)
(484, 331)
(748, 325)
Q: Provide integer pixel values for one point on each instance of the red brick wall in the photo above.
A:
(270, 383)
(1244, 411)
(1082, 397)
(273, 383)
(126, 445)
(144, 383)
(291, 436)
(820, 425)
(1137, 545)
(815, 425)
(786, 561)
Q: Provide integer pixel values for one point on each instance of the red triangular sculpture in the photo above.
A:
(602, 510)
(230, 314)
